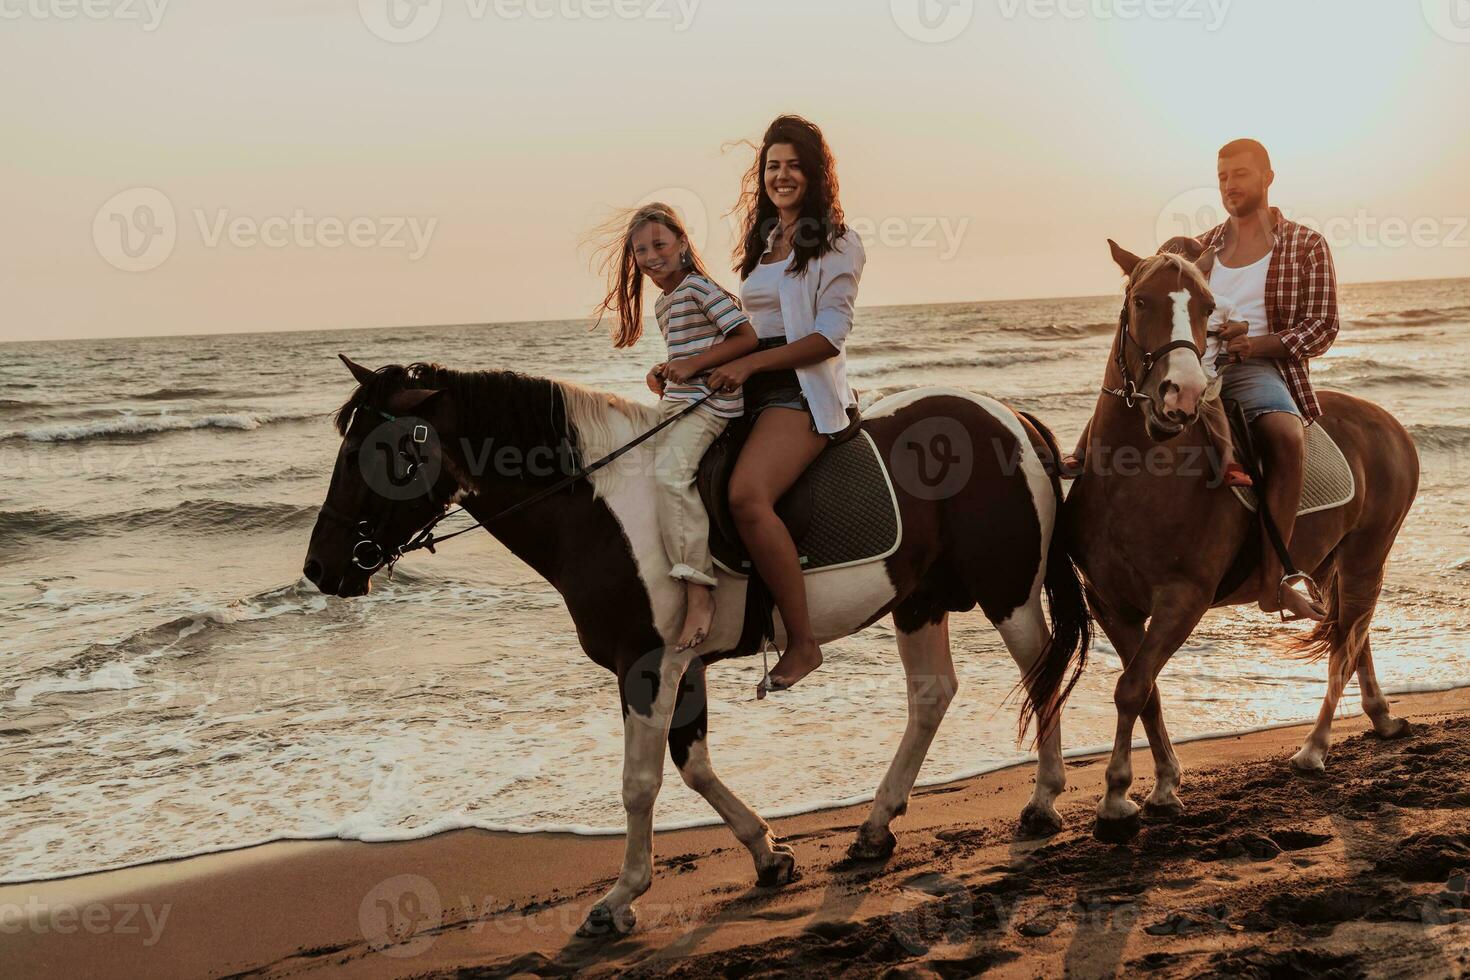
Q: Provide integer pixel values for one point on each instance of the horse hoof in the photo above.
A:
(1040, 822)
(781, 870)
(1308, 765)
(867, 848)
(1118, 830)
(601, 923)
(1393, 728)
(1163, 812)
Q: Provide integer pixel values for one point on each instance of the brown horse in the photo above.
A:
(1159, 542)
(977, 510)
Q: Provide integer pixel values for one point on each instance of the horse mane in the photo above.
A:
(522, 408)
(1154, 264)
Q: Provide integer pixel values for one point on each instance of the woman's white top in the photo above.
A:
(761, 297)
(821, 300)
(1245, 290)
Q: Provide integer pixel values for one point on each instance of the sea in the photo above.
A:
(170, 685)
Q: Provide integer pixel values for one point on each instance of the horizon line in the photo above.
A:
(516, 323)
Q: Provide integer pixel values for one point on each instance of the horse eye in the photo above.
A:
(1210, 309)
(1138, 302)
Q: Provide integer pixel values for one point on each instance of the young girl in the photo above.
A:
(704, 328)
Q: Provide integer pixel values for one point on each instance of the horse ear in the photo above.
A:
(1126, 260)
(413, 399)
(1206, 262)
(362, 374)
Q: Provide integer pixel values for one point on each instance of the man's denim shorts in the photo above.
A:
(1259, 387)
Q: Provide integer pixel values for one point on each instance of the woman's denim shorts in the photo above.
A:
(773, 389)
(1257, 384)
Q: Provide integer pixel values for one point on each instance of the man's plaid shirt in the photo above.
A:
(1301, 302)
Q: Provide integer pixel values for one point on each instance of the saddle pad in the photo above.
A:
(854, 513)
(1329, 479)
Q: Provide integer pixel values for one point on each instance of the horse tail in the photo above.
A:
(1051, 679)
(1328, 634)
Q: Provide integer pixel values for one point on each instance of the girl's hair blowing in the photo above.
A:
(624, 277)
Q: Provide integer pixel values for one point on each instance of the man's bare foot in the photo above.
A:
(801, 658)
(1297, 605)
(699, 615)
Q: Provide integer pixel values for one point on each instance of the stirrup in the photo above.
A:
(1314, 593)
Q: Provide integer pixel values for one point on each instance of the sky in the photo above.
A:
(200, 167)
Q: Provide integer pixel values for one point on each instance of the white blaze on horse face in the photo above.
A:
(1181, 367)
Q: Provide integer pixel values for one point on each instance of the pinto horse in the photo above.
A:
(989, 542)
(1160, 541)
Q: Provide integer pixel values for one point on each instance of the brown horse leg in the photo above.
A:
(1163, 803)
(1177, 612)
(931, 682)
(1359, 580)
(775, 864)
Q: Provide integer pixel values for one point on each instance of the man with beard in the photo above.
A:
(1279, 278)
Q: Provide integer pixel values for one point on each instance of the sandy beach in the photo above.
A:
(1268, 875)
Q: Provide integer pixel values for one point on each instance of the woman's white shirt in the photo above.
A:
(760, 294)
(821, 301)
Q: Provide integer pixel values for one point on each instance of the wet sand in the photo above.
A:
(1362, 872)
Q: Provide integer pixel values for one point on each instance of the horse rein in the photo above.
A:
(369, 555)
(1131, 391)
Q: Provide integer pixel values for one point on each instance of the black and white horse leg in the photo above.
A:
(689, 748)
(1026, 636)
(931, 683)
(649, 688)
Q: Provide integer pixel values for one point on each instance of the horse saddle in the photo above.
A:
(842, 511)
(1329, 480)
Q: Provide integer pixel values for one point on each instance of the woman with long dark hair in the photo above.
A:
(799, 265)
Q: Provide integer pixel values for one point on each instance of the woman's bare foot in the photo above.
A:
(801, 658)
(699, 615)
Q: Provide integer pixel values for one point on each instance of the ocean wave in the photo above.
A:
(999, 360)
(173, 394)
(121, 426)
(1069, 331)
(189, 516)
(1413, 317)
(1443, 438)
(1367, 372)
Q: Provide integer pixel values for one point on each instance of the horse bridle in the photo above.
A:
(368, 553)
(1132, 391)
(376, 555)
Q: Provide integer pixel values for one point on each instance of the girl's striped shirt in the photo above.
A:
(694, 317)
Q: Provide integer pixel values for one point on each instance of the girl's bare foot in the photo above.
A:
(699, 615)
(801, 658)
